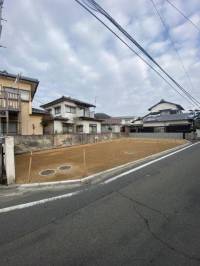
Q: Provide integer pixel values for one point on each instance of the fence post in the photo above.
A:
(84, 163)
(9, 160)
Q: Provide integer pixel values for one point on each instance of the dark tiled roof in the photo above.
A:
(69, 99)
(39, 111)
(163, 101)
(168, 117)
(101, 116)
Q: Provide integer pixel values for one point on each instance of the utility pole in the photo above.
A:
(1, 19)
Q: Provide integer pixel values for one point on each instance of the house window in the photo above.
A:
(57, 110)
(68, 128)
(93, 128)
(14, 92)
(79, 129)
(70, 109)
(49, 110)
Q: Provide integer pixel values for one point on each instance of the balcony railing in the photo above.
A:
(87, 114)
(9, 101)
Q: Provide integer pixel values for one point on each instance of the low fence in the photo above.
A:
(35, 142)
(165, 135)
(157, 135)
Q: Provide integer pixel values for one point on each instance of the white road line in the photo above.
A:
(38, 202)
(146, 164)
(43, 201)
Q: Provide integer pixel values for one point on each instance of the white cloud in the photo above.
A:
(73, 54)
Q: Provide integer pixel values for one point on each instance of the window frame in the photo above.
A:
(55, 108)
(91, 128)
(70, 109)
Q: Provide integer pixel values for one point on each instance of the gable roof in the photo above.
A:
(168, 117)
(34, 82)
(68, 99)
(163, 101)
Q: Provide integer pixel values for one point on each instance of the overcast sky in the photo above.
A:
(72, 54)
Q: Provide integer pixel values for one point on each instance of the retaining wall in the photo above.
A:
(34, 142)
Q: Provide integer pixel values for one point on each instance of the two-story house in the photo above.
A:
(165, 117)
(70, 115)
(17, 117)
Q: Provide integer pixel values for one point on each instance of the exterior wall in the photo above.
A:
(164, 106)
(25, 116)
(36, 121)
(27, 121)
(10, 83)
(115, 128)
(86, 126)
(58, 128)
(70, 116)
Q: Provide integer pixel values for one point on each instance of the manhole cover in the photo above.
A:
(64, 167)
(47, 172)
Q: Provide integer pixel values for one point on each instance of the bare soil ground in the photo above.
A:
(98, 157)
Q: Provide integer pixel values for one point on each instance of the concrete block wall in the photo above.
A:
(157, 135)
(28, 143)
(34, 142)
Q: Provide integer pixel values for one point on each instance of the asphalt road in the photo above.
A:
(149, 217)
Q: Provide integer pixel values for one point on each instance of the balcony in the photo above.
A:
(86, 114)
(9, 101)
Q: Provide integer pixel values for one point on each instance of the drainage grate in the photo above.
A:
(47, 172)
(64, 167)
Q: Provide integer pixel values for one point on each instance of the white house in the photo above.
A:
(165, 117)
(70, 115)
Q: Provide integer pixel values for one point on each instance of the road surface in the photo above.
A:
(148, 217)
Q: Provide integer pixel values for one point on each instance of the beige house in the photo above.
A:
(17, 117)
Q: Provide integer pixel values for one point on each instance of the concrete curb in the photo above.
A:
(95, 178)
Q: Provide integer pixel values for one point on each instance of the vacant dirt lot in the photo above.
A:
(80, 161)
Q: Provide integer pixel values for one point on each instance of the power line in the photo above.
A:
(186, 17)
(123, 31)
(175, 49)
(99, 9)
(127, 45)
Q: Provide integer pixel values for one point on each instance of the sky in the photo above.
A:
(72, 54)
